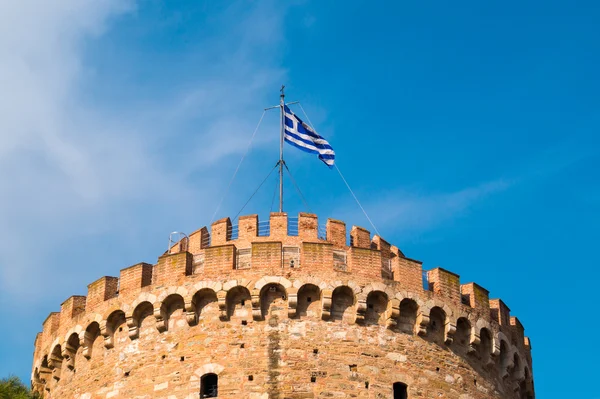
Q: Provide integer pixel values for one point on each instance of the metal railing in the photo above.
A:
(206, 241)
(177, 238)
(233, 232)
(264, 228)
(321, 232)
(292, 227)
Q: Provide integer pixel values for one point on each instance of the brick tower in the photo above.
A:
(284, 308)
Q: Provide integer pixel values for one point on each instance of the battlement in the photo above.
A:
(362, 280)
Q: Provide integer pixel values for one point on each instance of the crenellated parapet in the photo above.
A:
(309, 270)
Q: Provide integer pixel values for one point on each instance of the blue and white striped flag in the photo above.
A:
(302, 136)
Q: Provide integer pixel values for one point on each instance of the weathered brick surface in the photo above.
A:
(101, 290)
(133, 278)
(277, 329)
(445, 284)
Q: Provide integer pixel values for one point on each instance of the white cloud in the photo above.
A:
(70, 170)
(404, 212)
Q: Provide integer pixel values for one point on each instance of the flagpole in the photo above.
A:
(282, 122)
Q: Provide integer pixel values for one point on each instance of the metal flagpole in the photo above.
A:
(282, 122)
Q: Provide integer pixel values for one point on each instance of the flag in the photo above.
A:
(302, 136)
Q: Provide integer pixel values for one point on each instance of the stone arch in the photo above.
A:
(36, 378)
(205, 305)
(309, 301)
(90, 336)
(377, 304)
(171, 304)
(284, 282)
(342, 303)
(72, 345)
(310, 280)
(76, 329)
(389, 291)
(517, 372)
(437, 325)
(273, 300)
(408, 315)
(484, 351)
(114, 322)
(45, 371)
(143, 297)
(238, 302)
(462, 337)
(55, 361)
(214, 368)
(502, 360)
(139, 317)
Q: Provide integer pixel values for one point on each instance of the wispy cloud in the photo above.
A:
(71, 170)
(406, 212)
(402, 211)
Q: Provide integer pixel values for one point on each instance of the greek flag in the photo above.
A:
(302, 136)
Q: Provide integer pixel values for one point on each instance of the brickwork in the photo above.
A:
(278, 316)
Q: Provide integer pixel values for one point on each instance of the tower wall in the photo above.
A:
(288, 311)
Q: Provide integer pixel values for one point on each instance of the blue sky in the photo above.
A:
(468, 130)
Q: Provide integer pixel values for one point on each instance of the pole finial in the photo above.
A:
(281, 90)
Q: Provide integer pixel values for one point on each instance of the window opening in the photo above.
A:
(400, 390)
(209, 386)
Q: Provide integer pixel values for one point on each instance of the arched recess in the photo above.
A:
(140, 319)
(517, 373)
(71, 348)
(238, 302)
(55, 361)
(206, 305)
(502, 360)
(90, 339)
(273, 301)
(484, 351)
(408, 315)
(437, 325)
(377, 306)
(114, 323)
(171, 312)
(462, 336)
(45, 371)
(342, 304)
(309, 301)
(37, 385)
